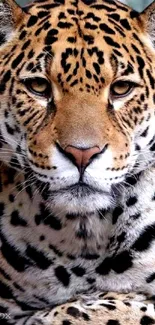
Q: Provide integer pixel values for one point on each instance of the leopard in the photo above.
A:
(77, 163)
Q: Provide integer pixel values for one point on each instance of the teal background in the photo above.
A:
(136, 4)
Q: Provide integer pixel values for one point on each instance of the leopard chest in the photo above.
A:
(48, 258)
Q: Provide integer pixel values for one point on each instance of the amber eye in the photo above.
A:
(121, 89)
(38, 86)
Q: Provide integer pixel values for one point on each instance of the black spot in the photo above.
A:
(13, 257)
(25, 306)
(11, 198)
(85, 317)
(91, 280)
(6, 77)
(29, 191)
(88, 256)
(107, 29)
(121, 237)
(9, 129)
(88, 74)
(52, 221)
(131, 201)
(115, 17)
(40, 259)
(66, 322)
(105, 267)
(42, 237)
(66, 66)
(50, 6)
(141, 64)
(90, 26)
(89, 39)
(42, 14)
(137, 147)
(78, 271)
(62, 2)
(14, 162)
(1, 209)
(102, 6)
(71, 39)
(91, 15)
(64, 25)
(131, 180)
(125, 24)
(22, 35)
(3, 309)
(26, 44)
(135, 216)
(17, 286)
(135, 48)
(62, 16)
(145, 132)
(143, 309)
(72, 311)
(111, 42)
(151, 278)
(122, 262)
(5, 291)
(151, 79)
(51, 36)
(31, 54)
(116, 213)
(88, 2)
(118, 53)
(113, 322)
(62, 275)
(16, 219)
(55, 250)
(18, 60)
(5, 275)
(145, 239)
(152, 148)
(32, 21)
(11, 175)
(102, 213)
(72, 216)
(30, 66)
(146, 320)
(75, 82)
(96, 67)
(134, 14)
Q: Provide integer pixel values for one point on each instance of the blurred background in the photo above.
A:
(136, 4)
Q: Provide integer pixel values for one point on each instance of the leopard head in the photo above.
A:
(77, 96)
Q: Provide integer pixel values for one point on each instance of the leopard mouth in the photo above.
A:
(82, 189)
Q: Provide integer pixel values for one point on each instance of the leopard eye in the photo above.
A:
(121, 89)
(38, 86)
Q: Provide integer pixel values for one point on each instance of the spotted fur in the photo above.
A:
(68, 229)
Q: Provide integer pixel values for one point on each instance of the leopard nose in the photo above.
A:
(81, 157)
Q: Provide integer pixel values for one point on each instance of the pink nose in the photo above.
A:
(82, 157)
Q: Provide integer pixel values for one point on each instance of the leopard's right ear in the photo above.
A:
(10, 16)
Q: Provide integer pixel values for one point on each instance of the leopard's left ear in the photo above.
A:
(10, 16)
(148, 20)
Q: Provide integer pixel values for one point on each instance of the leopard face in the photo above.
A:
(77, 97)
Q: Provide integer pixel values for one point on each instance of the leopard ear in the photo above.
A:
(148, 21)
(10, 16)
